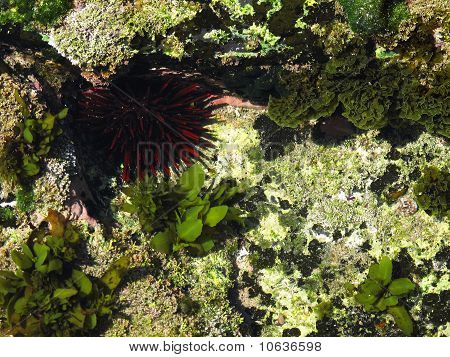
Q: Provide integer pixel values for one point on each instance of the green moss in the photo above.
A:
(432, 191)
(371, 17)
(24, 12)
(7, 217)
(398, 12)
(365, 16)
(101, 34)
(25, 200)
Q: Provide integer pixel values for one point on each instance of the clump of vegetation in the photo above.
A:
(25, 200)
(48, 295)
(103, 36)
(180, 215)
(239, 35)
(371, 17)
(25, 137)
(37, 135)
(7, 217)
(150, 125)
(24, 12)
(432, 191)
(380, 293)
(372, 92)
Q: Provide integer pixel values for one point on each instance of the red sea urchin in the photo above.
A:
(150, 125)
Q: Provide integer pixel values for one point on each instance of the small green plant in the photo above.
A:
(25, 200)
(380, 293)
(37, 135)
(180, 215)
(25, 11)
(432, 191)
(7, 217)
(48, 295)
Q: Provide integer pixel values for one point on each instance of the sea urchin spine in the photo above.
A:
(150, 125)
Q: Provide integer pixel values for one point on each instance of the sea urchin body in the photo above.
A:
(150, 125)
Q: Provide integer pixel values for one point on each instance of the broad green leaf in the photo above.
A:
(27, 251)
(20, 305)
(77, 317)
(63, 113)
(31, 169)
(178, 246)
(41, 251)
(43, 268)
(129, 208)
(382, 271)
(215, 215)
(219, 191)
(228, 194)
(49, 122)
(90, 322)
(192, 213)
(190, 230)
(82, 282)
(192, 180)
(21, 260)
(116, 272)
(64, 294)
(371, 287)
(6, 286)
(381, 304)
(235, 215)
(27, 135)
(391, 301)
(193, 202)
(401, 286)
(54, 265)
(207, 245)
(365, 299)
(402, 319)
(162, 242)
(10, 314)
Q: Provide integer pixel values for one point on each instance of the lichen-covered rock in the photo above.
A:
(322, 220)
